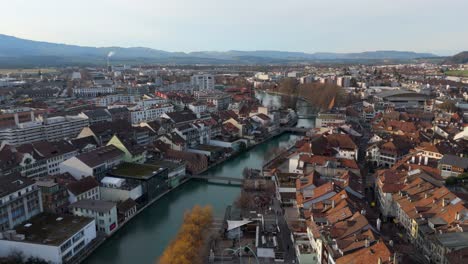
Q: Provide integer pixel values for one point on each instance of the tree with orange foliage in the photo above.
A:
(186, 248)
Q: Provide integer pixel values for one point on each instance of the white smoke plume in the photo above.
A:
(110, 54)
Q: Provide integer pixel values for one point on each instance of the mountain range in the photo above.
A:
(459, 58)
(22, 52)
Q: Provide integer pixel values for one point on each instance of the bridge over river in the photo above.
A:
(218, 179)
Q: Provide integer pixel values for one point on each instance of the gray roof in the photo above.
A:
(394, 92)
(455, 161)
(454, 240)
(97, 113)
(12, 183)
(94, 205)
(51, 229)
(100, 155)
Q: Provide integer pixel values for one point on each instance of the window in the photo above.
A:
(78, 236)
(66, 245)
(78, 247)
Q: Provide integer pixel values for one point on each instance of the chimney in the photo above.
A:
(426, 160)
(333, 203)
(16, 119)
(412, 159)
(445, 202)
(457, 216)
(366, 243)
(32, 115)
(379, 261)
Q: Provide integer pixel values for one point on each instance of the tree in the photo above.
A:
(448, 106)
(451, 181)
(186, 247)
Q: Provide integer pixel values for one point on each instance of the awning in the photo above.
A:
(235, 224)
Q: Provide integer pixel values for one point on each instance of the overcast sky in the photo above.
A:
(292, 25)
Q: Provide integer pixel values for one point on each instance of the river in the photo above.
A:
(146, 236)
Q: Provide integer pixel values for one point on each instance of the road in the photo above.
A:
(285, 233)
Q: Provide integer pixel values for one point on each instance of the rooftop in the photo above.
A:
(94, 205)
(83, 185)
(12, 183)
(100, 155)
(51, 229)
(454, 240)
(134, 170)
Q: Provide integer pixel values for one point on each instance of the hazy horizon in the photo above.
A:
(338, 26)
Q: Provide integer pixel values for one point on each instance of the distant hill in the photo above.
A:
(459, 58)
(22, 52)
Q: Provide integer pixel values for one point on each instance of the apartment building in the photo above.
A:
(66, 236)
(43, 128)
(148, 114)
(330, 120)
(93, 163)
(20, 199)
(35, 159)
(93, 91)
(203, 81)
(103, 212)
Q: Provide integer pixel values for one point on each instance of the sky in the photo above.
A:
(219, 25)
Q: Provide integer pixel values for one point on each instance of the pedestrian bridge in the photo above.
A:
(218, 179)
(299, 130)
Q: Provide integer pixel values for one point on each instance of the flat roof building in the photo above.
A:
(51, 237)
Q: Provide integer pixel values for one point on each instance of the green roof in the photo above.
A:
(135, 170)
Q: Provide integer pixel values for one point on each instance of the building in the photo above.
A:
(43, 128)
(133, 152)
(149, 114)
(53, 238)
(85, 188)
(118, 189)
(93, 163)
(36, 159)
(126, 210)
(203, 81)
(98, 116)
(195, 133)
(153, 179)
(107, 100)
(54, 196)
(20, 199)
(177, 171)
(103, 212)
(451, 165)
(330, 120)
(93, 91)
(12, 117)
(197, 108)
(402, 98)
(219, 99)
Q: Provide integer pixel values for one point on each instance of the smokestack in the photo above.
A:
(17, 119)
(110, 54)
(426, 160)
(32, 115)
